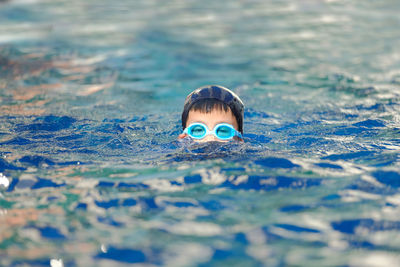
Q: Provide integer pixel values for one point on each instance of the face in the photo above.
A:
(211, 119)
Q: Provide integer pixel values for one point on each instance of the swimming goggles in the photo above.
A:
(223, 131)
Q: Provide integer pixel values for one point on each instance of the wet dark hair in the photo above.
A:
(207, 105)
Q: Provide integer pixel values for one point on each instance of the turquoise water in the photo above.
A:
(91, 95)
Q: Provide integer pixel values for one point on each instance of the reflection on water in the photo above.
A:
(92, 173)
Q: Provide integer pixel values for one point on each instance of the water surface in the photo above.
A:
(92, 173)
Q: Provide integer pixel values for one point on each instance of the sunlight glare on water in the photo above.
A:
(92, 174)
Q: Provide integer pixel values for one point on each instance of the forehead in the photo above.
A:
(212, 118)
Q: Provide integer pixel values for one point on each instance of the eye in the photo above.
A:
(197, 130)
(224, 132)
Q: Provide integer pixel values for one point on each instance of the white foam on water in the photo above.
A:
(262, 252)
(4, 180)
(394, 199)
(356, 195)
(56, 263)
(186, 254)
(376, 259)
(23, 36)
(192, 228)
(163, 185)
(256, 236)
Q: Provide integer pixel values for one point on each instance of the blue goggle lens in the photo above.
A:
(224, 132)
(197, 131)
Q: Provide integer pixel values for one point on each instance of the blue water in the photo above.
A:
(91, 170)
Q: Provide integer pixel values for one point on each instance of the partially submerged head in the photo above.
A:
(213, 106)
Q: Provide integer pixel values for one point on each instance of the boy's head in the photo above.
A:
(213, 106)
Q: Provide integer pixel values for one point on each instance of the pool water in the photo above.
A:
(91, 170)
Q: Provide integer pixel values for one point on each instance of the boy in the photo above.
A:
(212, 113)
